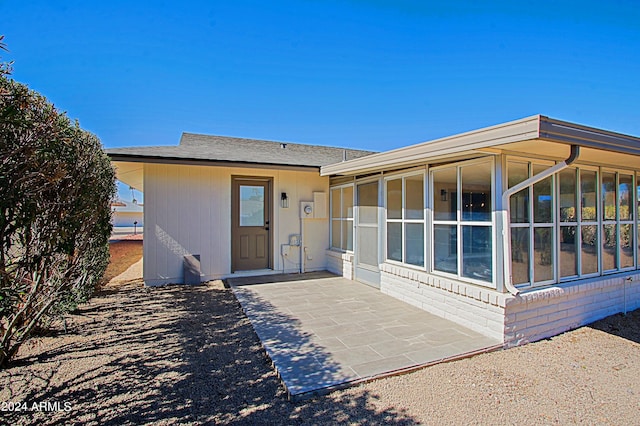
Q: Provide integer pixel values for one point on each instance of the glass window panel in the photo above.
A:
(476, 252)
(414, 235)
(394, 199)
(542, 199)
(568, 195)
(518, 172)
(251, 205)
(543, 254)
(445, 190)
(368, 246)
(568, 251)
(625, 196)
(609, 247)
(476, 192)
(414, 197)
(347, 202)
(368, 202)
(609, 196)
(588, 195)
(445, 248)
(589, 250)
(394, 241)
(520, 255)
(336, 240)
(335, 203)
(519, 206)
(347, 235)
(626, 246)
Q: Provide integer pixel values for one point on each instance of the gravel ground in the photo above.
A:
(188, 355)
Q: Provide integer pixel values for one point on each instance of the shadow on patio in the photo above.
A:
(174, 354)
(303, 365)
(323, 331)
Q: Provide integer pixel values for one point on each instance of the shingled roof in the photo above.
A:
(195, 147)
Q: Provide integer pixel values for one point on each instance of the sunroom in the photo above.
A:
(519, 231)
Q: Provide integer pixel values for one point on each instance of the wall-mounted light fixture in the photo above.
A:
(443, 195)
(284, 200)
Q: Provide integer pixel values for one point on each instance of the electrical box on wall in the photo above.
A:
(294, 240)
(320, 205)
(306, 209)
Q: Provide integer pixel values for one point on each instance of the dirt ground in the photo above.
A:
(123, 254)
(188, 355)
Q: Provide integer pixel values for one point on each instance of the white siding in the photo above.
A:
(188, 211)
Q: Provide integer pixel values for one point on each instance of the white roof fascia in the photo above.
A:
(513, 131)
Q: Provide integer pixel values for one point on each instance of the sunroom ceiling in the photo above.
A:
(560, 151)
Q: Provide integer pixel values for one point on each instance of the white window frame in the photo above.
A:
(532, 224)
(459, 223)
(404, 220)
(598, 222)
(636, 216)
(617, 221)
(341, 219)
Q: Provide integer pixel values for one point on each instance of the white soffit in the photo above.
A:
(130, 173)
(537, 148)
(615, 160)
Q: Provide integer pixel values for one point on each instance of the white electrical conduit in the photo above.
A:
(302, 254)
(506, 211)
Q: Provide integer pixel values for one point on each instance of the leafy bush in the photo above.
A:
(56, 184)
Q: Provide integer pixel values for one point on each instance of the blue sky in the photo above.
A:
(364, 74)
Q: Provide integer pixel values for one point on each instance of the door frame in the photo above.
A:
(367, 274)
(269, 215)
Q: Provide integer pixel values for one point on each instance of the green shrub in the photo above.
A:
(56, 184)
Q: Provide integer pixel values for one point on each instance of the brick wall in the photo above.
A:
(477, 308)
(340, 263)
(516, 320)
(543, 313)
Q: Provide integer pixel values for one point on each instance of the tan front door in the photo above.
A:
(250, 224)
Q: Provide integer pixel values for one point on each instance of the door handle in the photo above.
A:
(266, 228)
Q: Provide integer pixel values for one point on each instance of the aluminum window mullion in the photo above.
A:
(555, 214)
(459, 247)
(403, 236)
(555, 236)
(579, 220)
(618, 263)
(532, 240)
(341, 210)
(599, 216)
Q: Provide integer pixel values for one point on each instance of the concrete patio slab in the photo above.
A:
(322, 331)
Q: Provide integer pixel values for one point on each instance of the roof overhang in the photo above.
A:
(130, 168)
(131, 173)
(536, 136)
